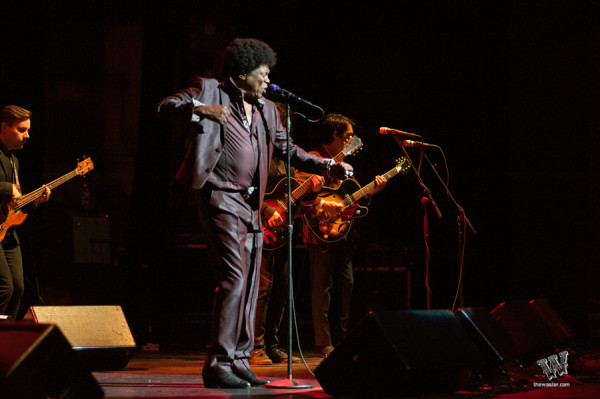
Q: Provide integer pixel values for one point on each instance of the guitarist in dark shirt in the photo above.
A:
(15, 123)
(331, 272)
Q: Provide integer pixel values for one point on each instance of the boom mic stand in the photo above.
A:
(461, 221)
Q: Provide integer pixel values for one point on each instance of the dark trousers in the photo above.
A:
(331, 280)
(12, 284)
(272, 297)
(234, 243)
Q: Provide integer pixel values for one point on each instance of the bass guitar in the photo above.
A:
(11, 214)
(276, 236)
(331, 228)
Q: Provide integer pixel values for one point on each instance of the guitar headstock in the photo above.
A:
(84, 166)
(352, 146)
(402, 165)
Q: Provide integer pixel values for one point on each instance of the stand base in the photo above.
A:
(288, 384)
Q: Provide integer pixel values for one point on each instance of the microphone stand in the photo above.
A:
(461, 221)
(427, 199)
(289, 383)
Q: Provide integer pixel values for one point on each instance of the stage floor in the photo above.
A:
(178, 375)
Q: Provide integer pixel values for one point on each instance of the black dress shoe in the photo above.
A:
(226, 379)
(249, 376)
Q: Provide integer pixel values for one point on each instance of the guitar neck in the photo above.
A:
(32, 196)
(339, 156)
(302, 189)
(351, 199)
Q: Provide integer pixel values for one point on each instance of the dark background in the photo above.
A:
(509, 90)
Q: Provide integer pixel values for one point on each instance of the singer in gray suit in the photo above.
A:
(235, 131)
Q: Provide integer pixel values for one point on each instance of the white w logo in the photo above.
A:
(552, 366)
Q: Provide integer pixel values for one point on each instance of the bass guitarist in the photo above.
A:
(15, 123)
(331, 273)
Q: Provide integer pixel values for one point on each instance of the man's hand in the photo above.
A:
(16, 192)
(332, 208)
(317, 183)
(271, 215)
(45, 197)
(380, 183)
(217, 113)
(341, 171)
(275, 219)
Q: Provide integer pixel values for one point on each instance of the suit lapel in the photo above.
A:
(6, 166)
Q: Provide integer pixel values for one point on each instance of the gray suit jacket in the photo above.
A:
(206, 147)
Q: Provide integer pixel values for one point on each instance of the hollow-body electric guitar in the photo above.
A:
(11, 214)
(328, 228)
(276, 236)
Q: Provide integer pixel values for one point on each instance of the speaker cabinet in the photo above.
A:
(100, 334)
(398, 353)
(36, 361)
(91, 240)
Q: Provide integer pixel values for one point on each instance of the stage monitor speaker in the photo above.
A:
(529, 326)
(100, 334)
(399, 353)
(36, 361)
(488, 334)
(493, 341)
(555, 326)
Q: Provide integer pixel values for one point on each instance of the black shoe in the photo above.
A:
(249, 376)
(226, 379)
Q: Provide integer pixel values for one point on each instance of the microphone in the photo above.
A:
(418, 144)
(279, 93)
(387, 130)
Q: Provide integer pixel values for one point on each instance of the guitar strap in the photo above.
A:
(14, 170)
